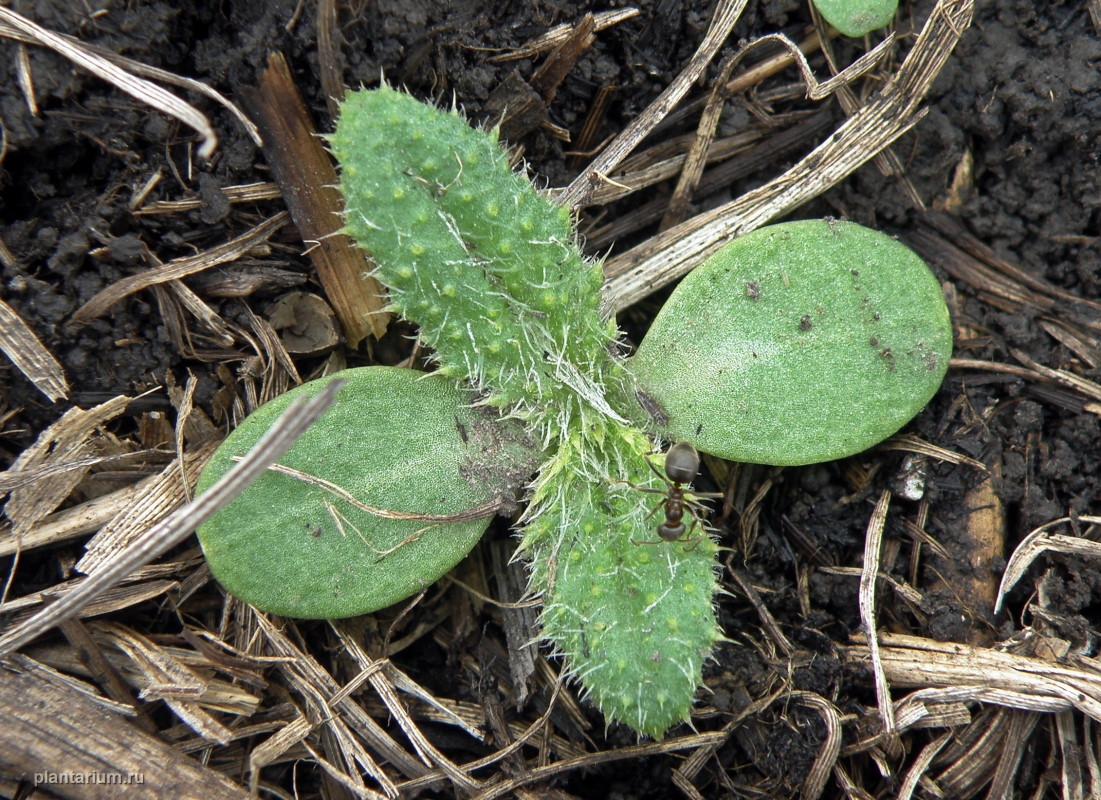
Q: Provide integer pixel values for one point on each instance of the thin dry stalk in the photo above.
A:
(696, 158)
(582, 187)
(540, 774)
(179, 268)
(381, 683)
(815, 782)
(245, 193)
(481, 511)
(347, 720)
(558, 34)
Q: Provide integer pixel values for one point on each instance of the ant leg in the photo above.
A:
(636, 487)
(691, 543)
(656, 508)
(657, 472)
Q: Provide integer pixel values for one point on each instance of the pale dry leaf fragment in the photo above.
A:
(67, 440)
(1036, 543)
(30, 356)
(157, 499)
(921, 765)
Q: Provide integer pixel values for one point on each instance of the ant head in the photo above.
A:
(682, 463)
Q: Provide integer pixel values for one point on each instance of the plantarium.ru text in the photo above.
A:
(527, 377)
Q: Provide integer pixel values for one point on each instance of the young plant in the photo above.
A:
(491, 272)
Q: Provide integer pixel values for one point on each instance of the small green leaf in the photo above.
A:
(396, 440)
(857, 17)
(797, 343)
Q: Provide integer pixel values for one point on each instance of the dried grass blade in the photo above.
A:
(1020, 727)
(17, 479)
(165, 678)
(158, 498)
(539, 774)
(696, 157)
(142, 90)
(1071, 751)
(873, 539)
(578, 192)
(558, 34)
(72, 522)
(910, 443)
(305, 676)
(1005, 678)
(1068, 379)
(815, 781)
(272, 748)
(179, 268)
(669, 255)
(1033, 545)
(30, 356)
(382, 684)
(921, 765)
(179, 525)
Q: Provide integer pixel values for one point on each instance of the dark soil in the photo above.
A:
(1021, 97)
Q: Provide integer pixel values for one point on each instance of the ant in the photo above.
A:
(682, 465)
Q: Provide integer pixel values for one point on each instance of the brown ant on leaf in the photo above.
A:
(682, 465)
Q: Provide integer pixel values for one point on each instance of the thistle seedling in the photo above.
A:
(491, 272)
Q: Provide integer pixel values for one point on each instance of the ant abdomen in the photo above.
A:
(682, 463)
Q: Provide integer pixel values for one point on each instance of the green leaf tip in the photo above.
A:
(797, 343)
(857, 17)
(396, 440)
